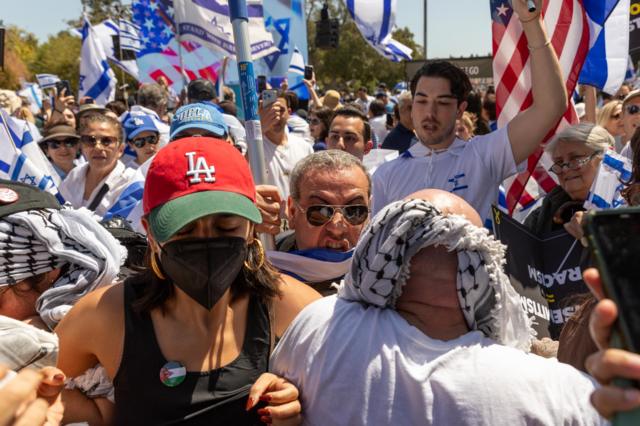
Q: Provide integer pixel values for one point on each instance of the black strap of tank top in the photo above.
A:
(98, 198)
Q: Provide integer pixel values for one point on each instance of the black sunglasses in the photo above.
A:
(320, 214)
(68, 143)
(92, 141)
(141, 142)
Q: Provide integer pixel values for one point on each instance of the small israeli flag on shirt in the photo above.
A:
(97, 80)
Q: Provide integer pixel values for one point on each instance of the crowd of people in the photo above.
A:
(359, 285)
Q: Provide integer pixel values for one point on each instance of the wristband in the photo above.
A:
(532, 48)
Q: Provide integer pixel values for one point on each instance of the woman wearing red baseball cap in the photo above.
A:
(185, 340)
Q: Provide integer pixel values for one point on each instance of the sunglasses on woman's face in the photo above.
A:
(320, 214)
(633, 109)
(68, 143)
(141, 142)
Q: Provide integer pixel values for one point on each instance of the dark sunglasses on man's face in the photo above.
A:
(141, 142)
(68, 143)
(320, 214)
(633, 109)
(92, 141)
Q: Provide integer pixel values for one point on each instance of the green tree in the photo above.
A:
(99, 10)
(354, 63)
(20, 52)
(60, 55)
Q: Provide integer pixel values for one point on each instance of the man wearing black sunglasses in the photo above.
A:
(327, 210)
(630, 120)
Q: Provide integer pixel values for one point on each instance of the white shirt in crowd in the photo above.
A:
(379, 129)
(72, 187)
(626, 151)
(364, 105)
(472, 170)
(360, 365)
(237, 130)
(281, 159)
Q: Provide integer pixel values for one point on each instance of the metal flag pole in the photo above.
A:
(185, 78)
(123, 85)
(249, 93)
(425, 29)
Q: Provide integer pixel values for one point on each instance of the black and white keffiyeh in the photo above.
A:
(33, 242)
(382, 261)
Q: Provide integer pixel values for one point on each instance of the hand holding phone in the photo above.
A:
(262, 83)
(64, 85)
(308, 72)
(269, 97)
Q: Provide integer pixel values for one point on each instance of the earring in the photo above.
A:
(260, 255)
(155, 268)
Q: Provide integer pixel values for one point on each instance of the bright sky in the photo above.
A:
(470, 19)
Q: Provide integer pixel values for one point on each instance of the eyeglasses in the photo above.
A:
(349, 139)
(320, 214)
(91, 141)
(573, 164)
(633, 109)
(314, 121)
(141, 142)
(68, 143)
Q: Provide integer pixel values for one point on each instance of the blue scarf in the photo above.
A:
(312, 265)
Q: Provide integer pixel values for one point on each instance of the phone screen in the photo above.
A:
(617, 238)
(262, 83)
(308, 72)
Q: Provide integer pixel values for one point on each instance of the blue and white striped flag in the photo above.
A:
(630, 76)
(108, 29)
(376, 20)
(47, 81)
(606, 64)
(33, 93)
(295, 74)
(129, 35)
(605, 192)
(21, 159)
(207, 22)
(129, 204)
(97, 80)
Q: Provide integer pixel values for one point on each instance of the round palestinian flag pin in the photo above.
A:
(172, 374)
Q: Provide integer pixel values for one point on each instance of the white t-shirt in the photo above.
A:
(300, 127)
(72, 187)
(626, 151)
(281, 159)
(472, 170)
(361, 365)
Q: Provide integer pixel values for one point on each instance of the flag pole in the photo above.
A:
(240, 22)
(425, 29)
(123, 84)
(185, 80)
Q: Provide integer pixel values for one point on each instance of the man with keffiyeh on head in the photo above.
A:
(426, 329)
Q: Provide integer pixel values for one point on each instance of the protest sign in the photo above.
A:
(546, 272)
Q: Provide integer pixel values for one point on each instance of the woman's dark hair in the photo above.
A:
(460, 84)
(117, 107)
(152, 292)
(325, 115)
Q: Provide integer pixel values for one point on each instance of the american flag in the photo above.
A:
(567, 26)
(158, 56)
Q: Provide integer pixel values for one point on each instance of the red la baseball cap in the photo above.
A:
(195, 177)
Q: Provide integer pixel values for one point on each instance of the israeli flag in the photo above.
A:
(630, 76)
(207, 22)
(606, 64)
(605, 192)
(22, 160)
(375, 20)
(47, 81)
(129, 204)
(295, 74)
(97, 80)
(129, 35)
(33, 93)
(129, 40)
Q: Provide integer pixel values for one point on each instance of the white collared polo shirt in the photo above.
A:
(472, 170)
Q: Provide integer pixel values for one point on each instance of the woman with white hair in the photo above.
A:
(576, 152)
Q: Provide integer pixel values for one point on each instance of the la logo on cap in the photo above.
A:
(198, 166)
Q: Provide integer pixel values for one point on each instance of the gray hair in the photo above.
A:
(404, 97)
(594, 137)
(153, 96)
(330, 160)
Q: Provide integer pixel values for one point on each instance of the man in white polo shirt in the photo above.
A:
(472, 170)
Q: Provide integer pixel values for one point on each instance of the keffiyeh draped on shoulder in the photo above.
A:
(33, 242)
(382, 260)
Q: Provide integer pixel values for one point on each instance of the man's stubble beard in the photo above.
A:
(440, 139)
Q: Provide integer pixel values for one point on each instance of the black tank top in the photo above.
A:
(217, 397)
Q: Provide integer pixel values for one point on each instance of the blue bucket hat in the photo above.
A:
(136, 124)
(199, 116)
